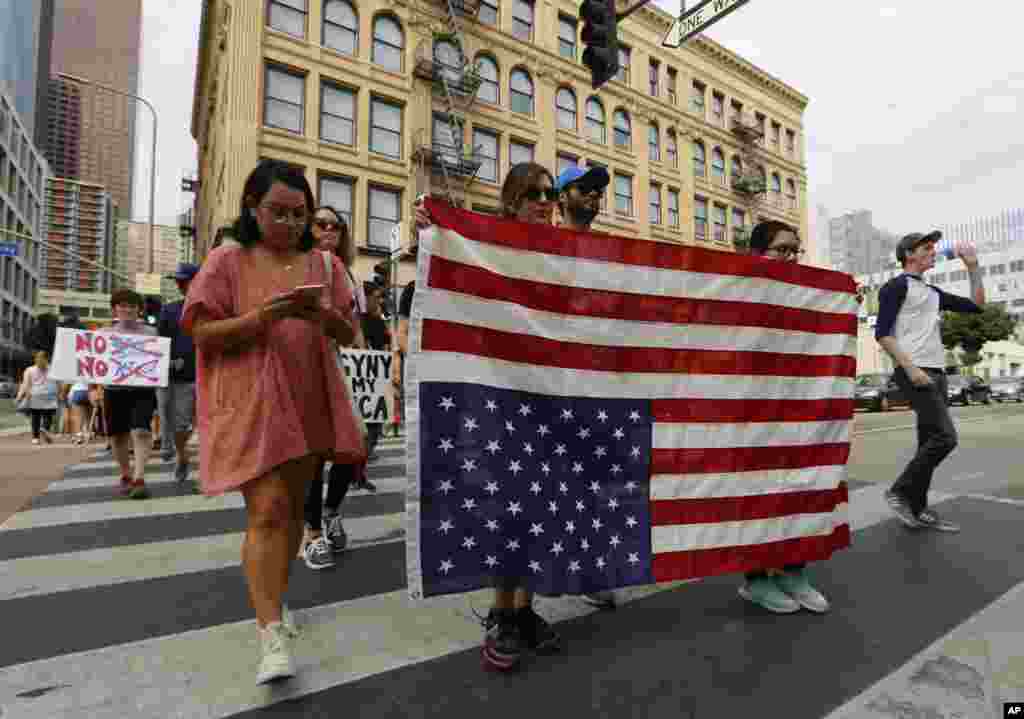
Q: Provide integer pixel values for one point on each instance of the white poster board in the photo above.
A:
(369, 374)
(109, 358)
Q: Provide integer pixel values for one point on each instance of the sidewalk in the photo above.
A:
(27, 469)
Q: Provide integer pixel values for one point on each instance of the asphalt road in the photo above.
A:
(987, 460)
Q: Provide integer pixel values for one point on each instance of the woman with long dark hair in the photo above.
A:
(264, 312)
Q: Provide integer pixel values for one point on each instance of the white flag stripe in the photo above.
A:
(717, 535)
(509, 317)
(698, 435)
(437, 367)
(744, 484)
(633, 279)
(52, 573)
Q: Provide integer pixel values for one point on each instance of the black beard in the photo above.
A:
(581, 215)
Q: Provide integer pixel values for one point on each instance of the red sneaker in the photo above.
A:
(138, 490)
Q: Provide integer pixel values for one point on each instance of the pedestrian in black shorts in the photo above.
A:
(908, 330)
(130, 409)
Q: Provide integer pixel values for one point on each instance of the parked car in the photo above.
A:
(964, 390)
(8, 387)
(878, 393)
(1008, 389)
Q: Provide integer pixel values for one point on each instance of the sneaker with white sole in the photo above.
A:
(795, 585)
(334, 530)
(764, 592)
(601, 600)
(277, 660)
(318, 554)
(929, 519)
(901, 508)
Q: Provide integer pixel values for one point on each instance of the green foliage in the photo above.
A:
(970, 332)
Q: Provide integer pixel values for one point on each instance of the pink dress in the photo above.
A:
(278, 399)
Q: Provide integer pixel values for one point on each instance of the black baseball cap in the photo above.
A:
(910, 242)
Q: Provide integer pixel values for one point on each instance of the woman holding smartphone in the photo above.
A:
(271, 401)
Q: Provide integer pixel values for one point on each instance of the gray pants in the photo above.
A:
(176, 404)
(936, 436)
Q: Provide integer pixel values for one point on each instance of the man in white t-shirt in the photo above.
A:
(908, 329)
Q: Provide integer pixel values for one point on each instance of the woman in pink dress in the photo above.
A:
(271, 401)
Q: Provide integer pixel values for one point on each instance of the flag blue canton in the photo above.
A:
(546, 492)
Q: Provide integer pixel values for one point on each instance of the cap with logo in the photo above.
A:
(593, 178)
(910, 242)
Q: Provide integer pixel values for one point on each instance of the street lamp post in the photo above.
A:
(152, 165)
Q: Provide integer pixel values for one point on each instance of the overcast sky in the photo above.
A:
(914, 113)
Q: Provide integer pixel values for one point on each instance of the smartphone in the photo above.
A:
(308, 292)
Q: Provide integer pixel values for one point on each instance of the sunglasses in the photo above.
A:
(548, 194)
(327, 225)
(786, 252)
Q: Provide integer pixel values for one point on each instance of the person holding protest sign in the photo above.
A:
(130, 409)
(325, 534)
(265, 312)
(38, 395)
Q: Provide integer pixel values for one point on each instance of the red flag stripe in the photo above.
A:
(751, 410)
(710, 510)
(454, 276)
(628, 251)
(442, 336)
(671, 566)
(747, 459)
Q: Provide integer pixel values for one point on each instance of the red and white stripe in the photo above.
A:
(749, 365)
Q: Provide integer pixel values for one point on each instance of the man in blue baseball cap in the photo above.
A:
(177, 402)
(579, 195)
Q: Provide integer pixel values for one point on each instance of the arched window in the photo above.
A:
(341, 27)
(490, 88)
(623, 129)
(718, 166)
(654, 142)
(700, 168)
(776, 189)
(521, 87)
(671, 148)
(791, 194)
(388, 43)
(737, 168)
(565, 107)
(448, 59)
(595, 120)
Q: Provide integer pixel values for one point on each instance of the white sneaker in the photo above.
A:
(277, 656)
(318, 554)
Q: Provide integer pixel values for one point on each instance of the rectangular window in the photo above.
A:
(654, 203)
(737, 111)
(604, 195)
(385, 211)
(790, 142)
(718, 107)
(719, 218)
(697, 98)
(566, 37)
(673, 208)
(287, 16)
(564, 161)
(761, 120)
(670, 85)
(624, 194)
(522, 19)
(285, 101)
(385, 127)
(519, 152)
(485, 142)
(623, 74)
(997, 270)
(653, 77)
(488, 12)
(446, 142)
(739, 221)
(776, 132)
(337, 114)
(700, 218)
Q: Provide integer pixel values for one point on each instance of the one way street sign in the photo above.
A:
(698, 19)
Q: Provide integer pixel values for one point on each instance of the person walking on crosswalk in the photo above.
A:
(179, 397)
(265, 313)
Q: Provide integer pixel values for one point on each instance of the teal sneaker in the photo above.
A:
(795, 585)
(764, 592)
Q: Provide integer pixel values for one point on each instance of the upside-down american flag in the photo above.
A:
(588, 411)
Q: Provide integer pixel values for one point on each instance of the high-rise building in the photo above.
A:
(997, 233)
(82, 233)
(91, 132)
(133, 252)
(25, 60)
(699, 142)
(23, 176)
(856, 246)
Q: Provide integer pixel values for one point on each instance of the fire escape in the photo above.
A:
(446, 164)
(751, 184)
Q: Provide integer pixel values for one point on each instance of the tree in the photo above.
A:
(970, 332)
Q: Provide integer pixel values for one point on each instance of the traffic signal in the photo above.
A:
(600, 36)
(151, 311)
(382, 274)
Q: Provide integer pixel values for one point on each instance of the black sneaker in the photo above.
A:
(537, 634)
(503, 646)
(929, 519)
(901, 508)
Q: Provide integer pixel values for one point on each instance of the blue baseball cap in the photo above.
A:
(186, 271)
(593, 178)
